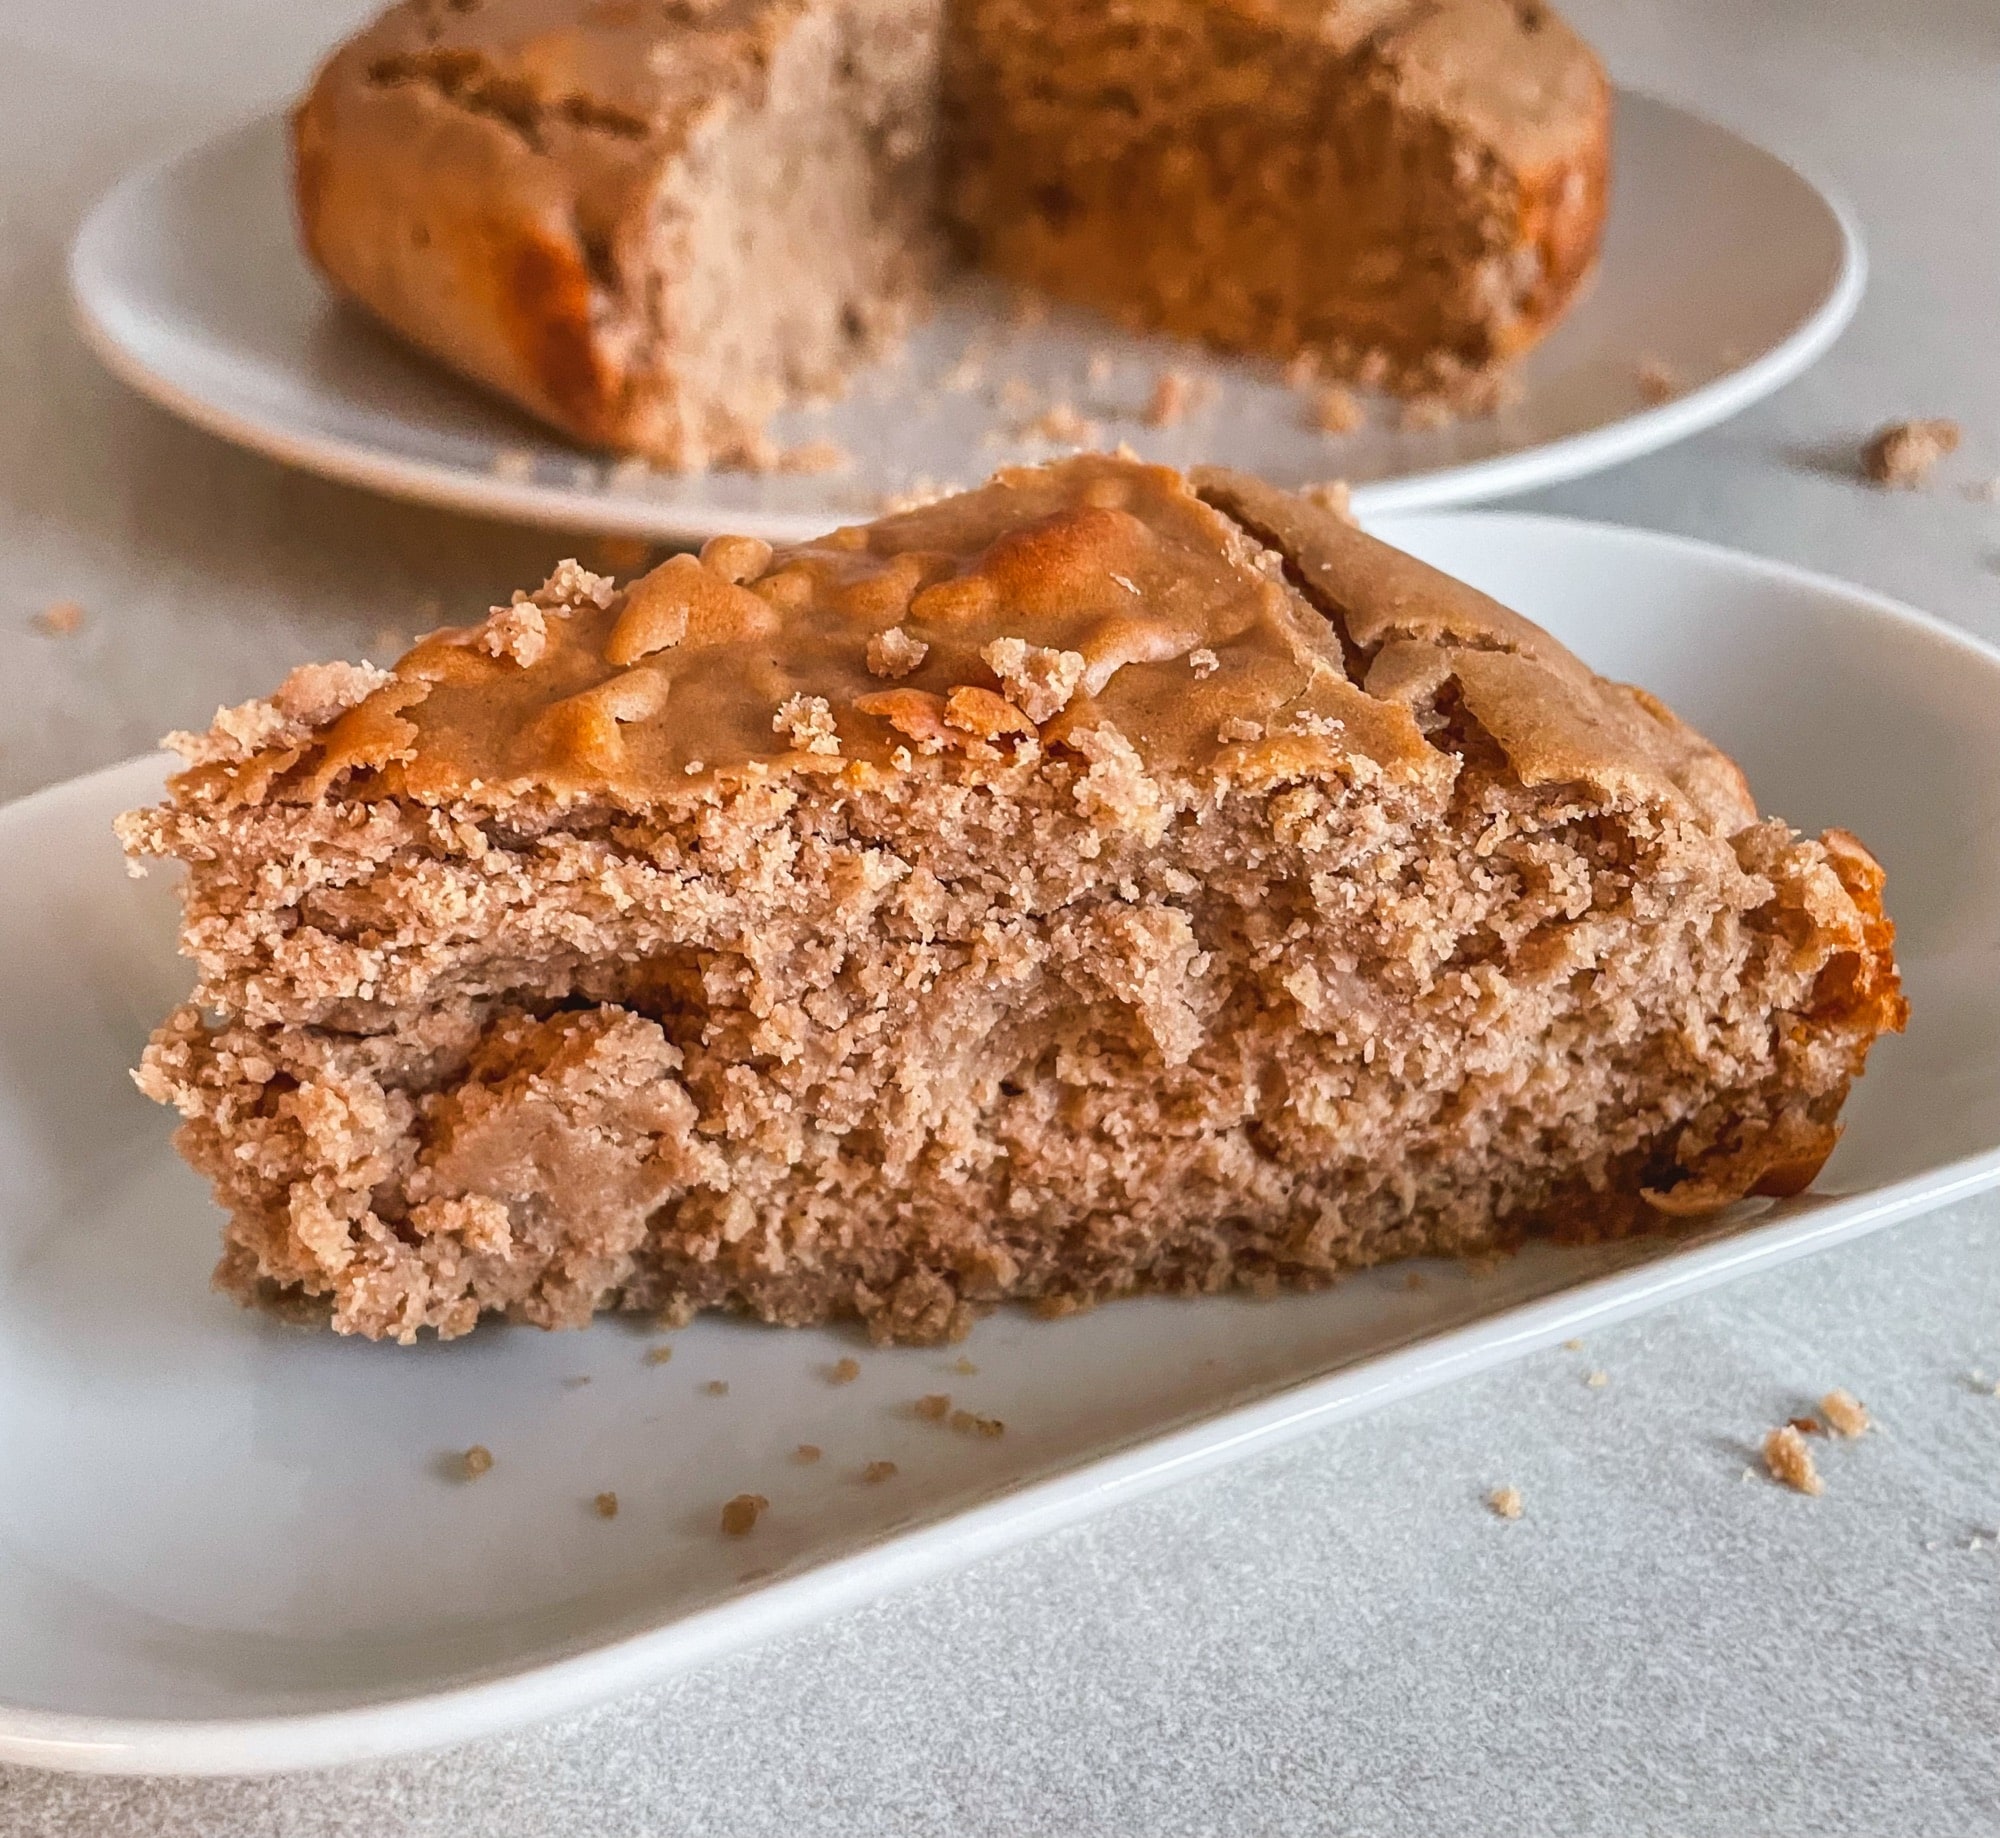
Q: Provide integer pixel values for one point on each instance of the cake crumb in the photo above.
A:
(879, 1471)
(967, 1423)
(1479, 1268)
(476, 1461)
(967, 372)
(1572, 1346)
(1905, 452)
(1505, 1502)
(740, 1515)
(1845, 1413)
(60, 618)
(514, 464)
(806, 1453)
(807, 722)
(843, 1372)
(1334, 495)
(1038, 681)
(1176, 395)
(606, 1505)
(1598, 1380)
(717, 1388)
(1807, 1426)
(576, 1384)
(1336, 410)
(895, 653)
(1203, 662)
(814, 458)
(965, 1366)
(1787, 1459)
(1657, 381)
(658, 1356)
(1061, 426)
(1413, 1279)
(933, 1408)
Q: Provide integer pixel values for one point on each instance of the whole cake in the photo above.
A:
(651, 222)
(1101, 881)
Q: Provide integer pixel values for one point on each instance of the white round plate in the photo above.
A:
(1722, 266)
(229, 1545)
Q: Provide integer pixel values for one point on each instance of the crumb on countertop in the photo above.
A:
(1787, 1459)
(843, 1371)
(879, 1471)
(806, 1452)
(59, 618)
(934, 1408)
(1905, 452)
(1598, 1380)
(476, 1461)
(965, 1367)
(740, 1515)
(606, 1505)
(1572, 1346)
(658, 1356)
(1505, 1502)
(1845, 1413)
(717, 1388)
(1413, 1279)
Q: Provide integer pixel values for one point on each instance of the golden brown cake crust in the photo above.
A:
(1193, 892)
(487, 179)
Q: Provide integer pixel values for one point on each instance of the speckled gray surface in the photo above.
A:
(1338, 1638)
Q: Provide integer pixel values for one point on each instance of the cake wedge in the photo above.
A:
(1101, 881)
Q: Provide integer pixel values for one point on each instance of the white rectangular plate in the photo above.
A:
(229, 1545)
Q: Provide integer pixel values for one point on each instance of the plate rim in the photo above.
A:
(369, 468)
(402, 1724)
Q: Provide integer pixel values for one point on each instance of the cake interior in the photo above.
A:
(1209, 171)
(1031, 1031)
(796, 238)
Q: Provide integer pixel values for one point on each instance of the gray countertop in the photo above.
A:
(1337, 1637)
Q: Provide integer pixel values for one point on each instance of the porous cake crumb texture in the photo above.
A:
(1788, 1459)
(1054, 968)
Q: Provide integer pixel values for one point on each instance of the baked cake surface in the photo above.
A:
(1410, 190)
(647, 222)
(652, 222)
(1101, 881)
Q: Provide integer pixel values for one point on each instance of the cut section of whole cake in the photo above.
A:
(1102, 881)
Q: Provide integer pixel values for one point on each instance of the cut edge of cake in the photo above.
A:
(1098, 882)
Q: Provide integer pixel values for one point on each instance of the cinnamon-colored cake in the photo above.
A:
(1097, 882)
(651, 222)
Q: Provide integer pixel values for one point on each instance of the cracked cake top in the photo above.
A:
(1201, 630)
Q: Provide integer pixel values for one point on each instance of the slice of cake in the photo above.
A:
(652, 222)
(1411, 190)
(1097, 882)
(648, 222)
